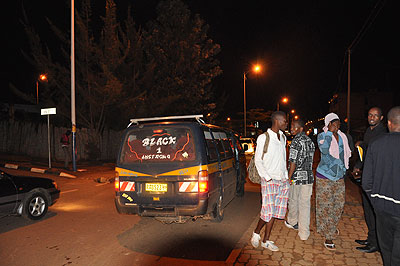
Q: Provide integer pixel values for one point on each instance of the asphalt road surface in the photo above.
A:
(83, 228)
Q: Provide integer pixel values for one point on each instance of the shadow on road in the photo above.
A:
(12, 222)
(196, 240)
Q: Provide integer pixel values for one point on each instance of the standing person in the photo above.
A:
(65, 147)
(330, 188)
(381, 182)
(274, 179)
(375, 129)
(301, 155)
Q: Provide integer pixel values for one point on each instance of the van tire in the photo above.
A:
(218, 212)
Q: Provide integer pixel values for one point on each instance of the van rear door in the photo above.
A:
(161, 162)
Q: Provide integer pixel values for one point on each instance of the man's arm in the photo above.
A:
(258, 157)
(368, 172)
(292, 168)
(294, 152)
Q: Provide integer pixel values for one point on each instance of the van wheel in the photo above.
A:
(218, 212)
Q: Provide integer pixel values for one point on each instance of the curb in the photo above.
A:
(36, 170)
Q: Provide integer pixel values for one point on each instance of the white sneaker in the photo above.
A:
(295, 227)
(255, 240)
(269, 245)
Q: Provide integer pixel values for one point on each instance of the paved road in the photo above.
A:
(83, 228)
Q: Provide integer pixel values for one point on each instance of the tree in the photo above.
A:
(123, 71)
(182, 58)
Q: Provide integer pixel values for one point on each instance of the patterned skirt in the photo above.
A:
(330, 198)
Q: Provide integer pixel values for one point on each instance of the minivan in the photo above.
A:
(178, 168)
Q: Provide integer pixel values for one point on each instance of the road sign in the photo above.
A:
(48, 111)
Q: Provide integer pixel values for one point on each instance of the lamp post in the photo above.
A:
(284, 100)
(41, 78)
(256, 69)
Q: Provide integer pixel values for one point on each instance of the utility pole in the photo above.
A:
(348, 91)
(73, 115)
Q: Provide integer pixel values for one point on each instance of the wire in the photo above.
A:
(367, 24)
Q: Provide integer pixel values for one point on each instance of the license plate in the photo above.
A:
(156, 187)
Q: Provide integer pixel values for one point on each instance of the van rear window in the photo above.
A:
(153, 145)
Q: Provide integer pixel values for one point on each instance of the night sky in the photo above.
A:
(300, 44)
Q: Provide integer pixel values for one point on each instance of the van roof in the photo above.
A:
(164, 118)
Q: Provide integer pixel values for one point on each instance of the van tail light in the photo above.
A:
(116, 181)
(203, 181)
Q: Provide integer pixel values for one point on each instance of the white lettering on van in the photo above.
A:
(159, 142)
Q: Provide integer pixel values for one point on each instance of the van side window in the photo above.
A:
(211, 147)
(220, 148)
(227, 148)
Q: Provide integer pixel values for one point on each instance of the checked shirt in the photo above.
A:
(302, 153)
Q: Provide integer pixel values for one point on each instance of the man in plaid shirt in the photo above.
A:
(300, 174)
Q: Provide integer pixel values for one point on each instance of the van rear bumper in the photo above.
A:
(162, 211)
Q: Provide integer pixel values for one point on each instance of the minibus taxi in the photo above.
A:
(178, 168)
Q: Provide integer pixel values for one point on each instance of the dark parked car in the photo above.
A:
(27, 196)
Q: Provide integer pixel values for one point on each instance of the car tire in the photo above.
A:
(35, 206)
(218, 212)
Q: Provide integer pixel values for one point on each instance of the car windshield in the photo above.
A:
(158, 144)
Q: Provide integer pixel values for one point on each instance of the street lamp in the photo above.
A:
(256, 69)
(284, 100)
(41, 78)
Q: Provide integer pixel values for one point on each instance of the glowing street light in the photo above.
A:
(284, 100)
(255, 69)
(293, 111)
(41, 78)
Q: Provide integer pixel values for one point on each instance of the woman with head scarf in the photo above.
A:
(330, 188)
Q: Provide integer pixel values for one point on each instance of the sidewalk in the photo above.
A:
(36, 165)
(294, 251)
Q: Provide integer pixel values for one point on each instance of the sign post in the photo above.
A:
(48, 112)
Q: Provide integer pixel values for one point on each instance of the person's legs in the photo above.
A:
(338, 200)
(293, 205)
(370, 218)
(268, 229)
(385, 237)
(322, 205)
(388, 233)
(396, 241)
(259, 226)
(304, 200)
(66, 156)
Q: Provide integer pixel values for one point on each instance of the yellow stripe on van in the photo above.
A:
(125, 172)
(211, 168)
(186, 171)
(227, 164)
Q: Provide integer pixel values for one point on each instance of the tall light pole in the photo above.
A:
(348, 90)
(41, 78)
(284, 100)
(256, 69)
(73, 115)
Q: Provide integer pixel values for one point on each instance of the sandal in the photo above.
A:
(330, 246)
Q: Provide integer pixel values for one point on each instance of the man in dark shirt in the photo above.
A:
(381, 182)
(375, 129)
(301, 156)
